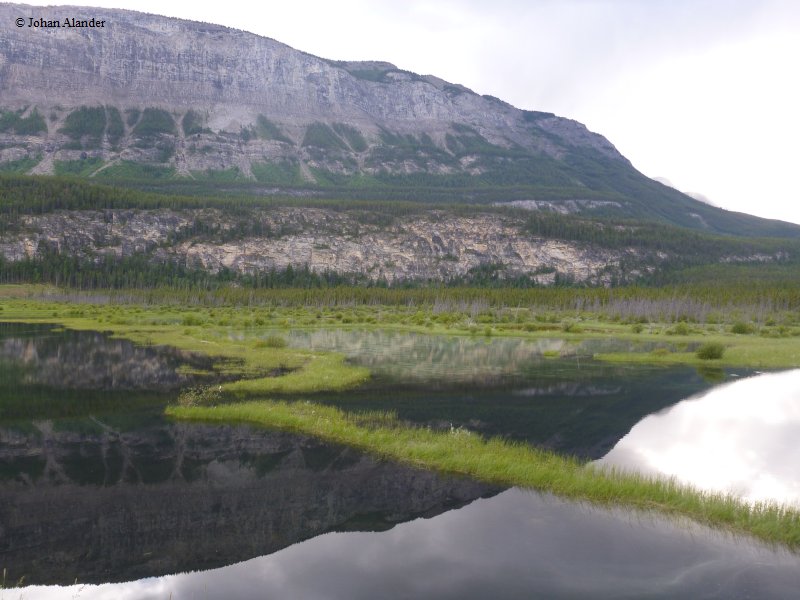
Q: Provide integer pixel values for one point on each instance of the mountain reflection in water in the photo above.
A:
(103, 502)
(515, 545)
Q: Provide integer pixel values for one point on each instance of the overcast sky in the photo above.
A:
(702, 93)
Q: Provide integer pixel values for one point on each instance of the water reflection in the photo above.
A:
(515, 545)
(445, 360)
(48, 372)
(128, 497)
(116, 497)
(738, 438)
(89, 360)
(548, 392)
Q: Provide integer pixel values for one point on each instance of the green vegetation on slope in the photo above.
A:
(13, 121)
(82, 168)
(154, 121)
(660, 253)
(192, 123)
(320, 135)
(267, 130)
(85, 126)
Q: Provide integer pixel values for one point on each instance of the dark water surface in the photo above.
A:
(514, 545)
(47, 372)
(96, 486)
(548, 392)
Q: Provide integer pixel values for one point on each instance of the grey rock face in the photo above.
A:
(428, 245)
(229, 79)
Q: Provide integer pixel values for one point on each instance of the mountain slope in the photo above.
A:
(154, 99)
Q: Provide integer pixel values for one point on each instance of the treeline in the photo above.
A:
(140, 271)
(717, 287)
(137, 271)
(680, 301)
(21, 194)
(696, 246)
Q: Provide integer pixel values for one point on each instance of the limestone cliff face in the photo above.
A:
(233, 99)
(429, 245)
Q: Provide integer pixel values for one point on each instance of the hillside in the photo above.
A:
(81, 234)
(179, 106)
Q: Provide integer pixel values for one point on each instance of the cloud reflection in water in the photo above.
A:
(738, 438)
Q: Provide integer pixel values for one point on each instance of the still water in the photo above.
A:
(96, 486)
(738, 438)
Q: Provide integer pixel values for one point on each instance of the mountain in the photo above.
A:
(155, 101)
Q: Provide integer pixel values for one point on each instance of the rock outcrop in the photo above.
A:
(429, 245)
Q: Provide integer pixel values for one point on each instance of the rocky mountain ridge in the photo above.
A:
(220, 98)
(184, 107)
(151, 101)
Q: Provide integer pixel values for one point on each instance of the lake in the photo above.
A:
(96, 486)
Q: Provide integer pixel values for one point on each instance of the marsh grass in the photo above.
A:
(499, 461)
(710, 351)
(272, 341)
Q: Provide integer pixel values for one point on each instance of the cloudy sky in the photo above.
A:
(702, 93)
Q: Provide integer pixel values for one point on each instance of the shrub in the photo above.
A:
(710, 351)
(740, 327)
(272, 341)
(679, 329)
(192, 320)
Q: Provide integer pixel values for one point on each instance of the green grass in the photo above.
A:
(279, 173)
(497, 461)
(223, 175)
(261, 367)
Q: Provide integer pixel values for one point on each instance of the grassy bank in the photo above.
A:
(498, 461)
